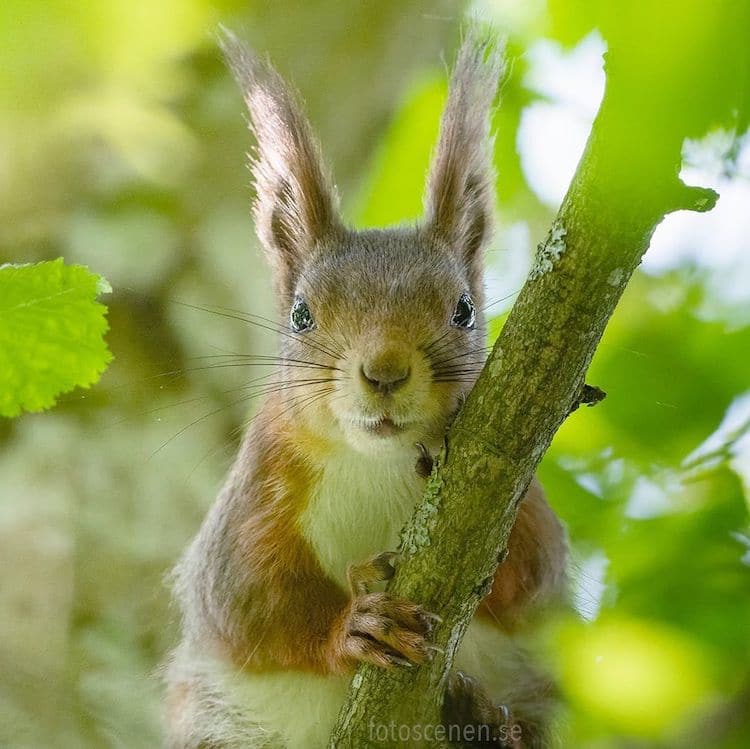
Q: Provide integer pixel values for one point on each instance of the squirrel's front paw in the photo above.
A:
(380, 628)
(387, 631)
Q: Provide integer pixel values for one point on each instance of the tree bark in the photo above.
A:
(625, 183)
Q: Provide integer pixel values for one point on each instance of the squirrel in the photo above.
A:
(385, 336)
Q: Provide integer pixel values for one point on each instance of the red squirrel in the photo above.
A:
(383, 334)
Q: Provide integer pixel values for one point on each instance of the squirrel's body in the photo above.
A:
(346, 506)
(386, 336)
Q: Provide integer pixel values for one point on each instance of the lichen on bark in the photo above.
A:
(550, 251)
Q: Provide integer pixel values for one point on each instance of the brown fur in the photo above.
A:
(263, 616)
(296, 203)
(255, 596)
(459, 203)
(532, 575)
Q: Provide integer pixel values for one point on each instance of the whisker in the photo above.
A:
(430, 346)
(474, 363)
(456, 375)
(459, 370)
(278, 329)
(502, 299)
(314, 399)
(459, 363)
(280, 387)
(150, 411)
(234, 433)
(244, 399)
(239, 314)
(230, 365)
(295, 402)
(269, 358)
(197, 421)
(455, 370)
(184, 402)
(448, 340)
(472, 352)
(461, 367)
(251, 359)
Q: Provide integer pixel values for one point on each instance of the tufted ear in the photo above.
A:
(460, 196)
(295, 205)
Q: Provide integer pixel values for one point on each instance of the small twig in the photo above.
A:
(590, 395)
(692, 198)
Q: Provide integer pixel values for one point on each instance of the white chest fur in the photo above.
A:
(359, 507)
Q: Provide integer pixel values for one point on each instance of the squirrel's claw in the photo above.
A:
(425, 461)
(466, 703)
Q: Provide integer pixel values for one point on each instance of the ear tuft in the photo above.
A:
(295, 206)
(460, 196)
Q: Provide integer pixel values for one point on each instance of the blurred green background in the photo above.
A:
(122, 142)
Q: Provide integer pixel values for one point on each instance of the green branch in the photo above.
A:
(532, 380)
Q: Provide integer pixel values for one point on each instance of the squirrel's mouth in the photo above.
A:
(383, 427)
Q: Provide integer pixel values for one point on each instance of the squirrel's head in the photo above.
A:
(384, 330)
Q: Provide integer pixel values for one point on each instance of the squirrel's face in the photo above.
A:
(385, 327)
(391, 327)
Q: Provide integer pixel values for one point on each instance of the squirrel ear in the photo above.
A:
(295, 205)
(460, 196)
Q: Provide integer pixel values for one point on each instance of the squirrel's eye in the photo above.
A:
(300, 316)
(465, 314)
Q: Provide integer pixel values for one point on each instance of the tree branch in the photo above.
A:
(532, 380)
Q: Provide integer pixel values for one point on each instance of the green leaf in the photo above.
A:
(51, 333)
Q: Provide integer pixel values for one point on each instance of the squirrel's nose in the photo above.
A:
(384, 377)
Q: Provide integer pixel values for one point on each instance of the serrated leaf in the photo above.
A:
(51, 333)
